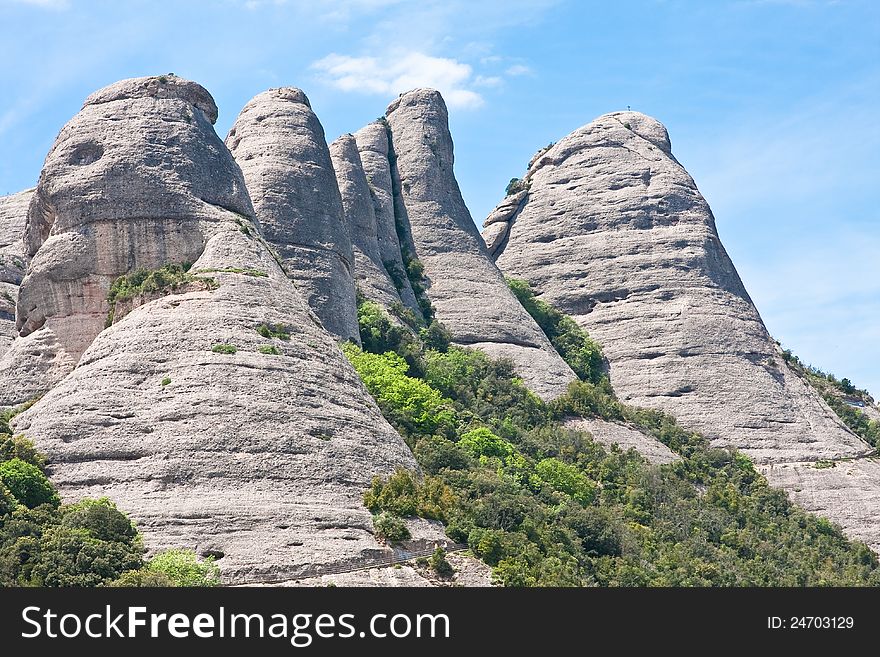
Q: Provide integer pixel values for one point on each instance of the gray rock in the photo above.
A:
(614, 232)
(138, 178)
(280, 145)
(261, 457)
(625, 437)
(13, 260)
(373, 146)
(846, 493)
(371, 276)
(467, 290)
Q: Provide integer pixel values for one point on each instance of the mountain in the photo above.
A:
(305, 361)
(212, 435)
(610, 229)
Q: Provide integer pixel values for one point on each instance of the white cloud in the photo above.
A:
(398, 72)
(517, 70)
(491, 81)
(45, 4)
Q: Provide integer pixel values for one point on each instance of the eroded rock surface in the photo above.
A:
(844, 491)
(280, 145)
(467, 290)
(613, 231)
(137, 179)
(210, 435)
(625, 437)
(13, 260)
(262, 457)
(371, 275)
(373, 148)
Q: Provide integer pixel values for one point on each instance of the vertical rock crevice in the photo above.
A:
(467, 291)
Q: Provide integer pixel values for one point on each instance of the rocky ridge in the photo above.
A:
(222, 415)
(370, 272)
(468, 292)
(279, 144)
(209, 434)
(611, 230)
(13, 261)
(137, 179)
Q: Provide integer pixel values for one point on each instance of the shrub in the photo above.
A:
(482, 442)
(74, 557)
(435, 337)
(515, 186)
(19, 447)
(183, 568)
(271, 331)
(269, 349)
(406, 315)
(140, 281)
(8, 503)
(142, 578)
(166, 381)
(573, 343)
(410, 404)
(566, 478)
(390, 528)
(439, 563)
(101, 519)
(224, 348)
(402, 494)
(435, 453)
(483, 388)
(27, 483)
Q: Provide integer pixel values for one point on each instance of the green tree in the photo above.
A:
(183, 568)
(482, 442)
(409, 403)
(575, 346)
(19, 447)
(27, 483)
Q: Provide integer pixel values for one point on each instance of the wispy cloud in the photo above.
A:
(395, 73)
(517, 70)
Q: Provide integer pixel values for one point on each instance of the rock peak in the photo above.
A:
(290, 94)
(160, 87)
(646, 127)
(421, 96)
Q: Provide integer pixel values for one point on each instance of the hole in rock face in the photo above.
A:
(86, 153)
(217, 554)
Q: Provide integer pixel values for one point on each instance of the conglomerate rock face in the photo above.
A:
(373, 148)
(257, 449)
(613, 231)
(137, 179)
(280, 145)
(13, 260)
(467, 290)
(371, 275)
(211, 435)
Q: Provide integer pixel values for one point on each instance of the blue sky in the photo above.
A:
(772, 105)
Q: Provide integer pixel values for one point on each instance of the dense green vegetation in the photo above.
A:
(409, 340)
(574, 345)
(548, 506)
(837, 393)
(89, 543)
